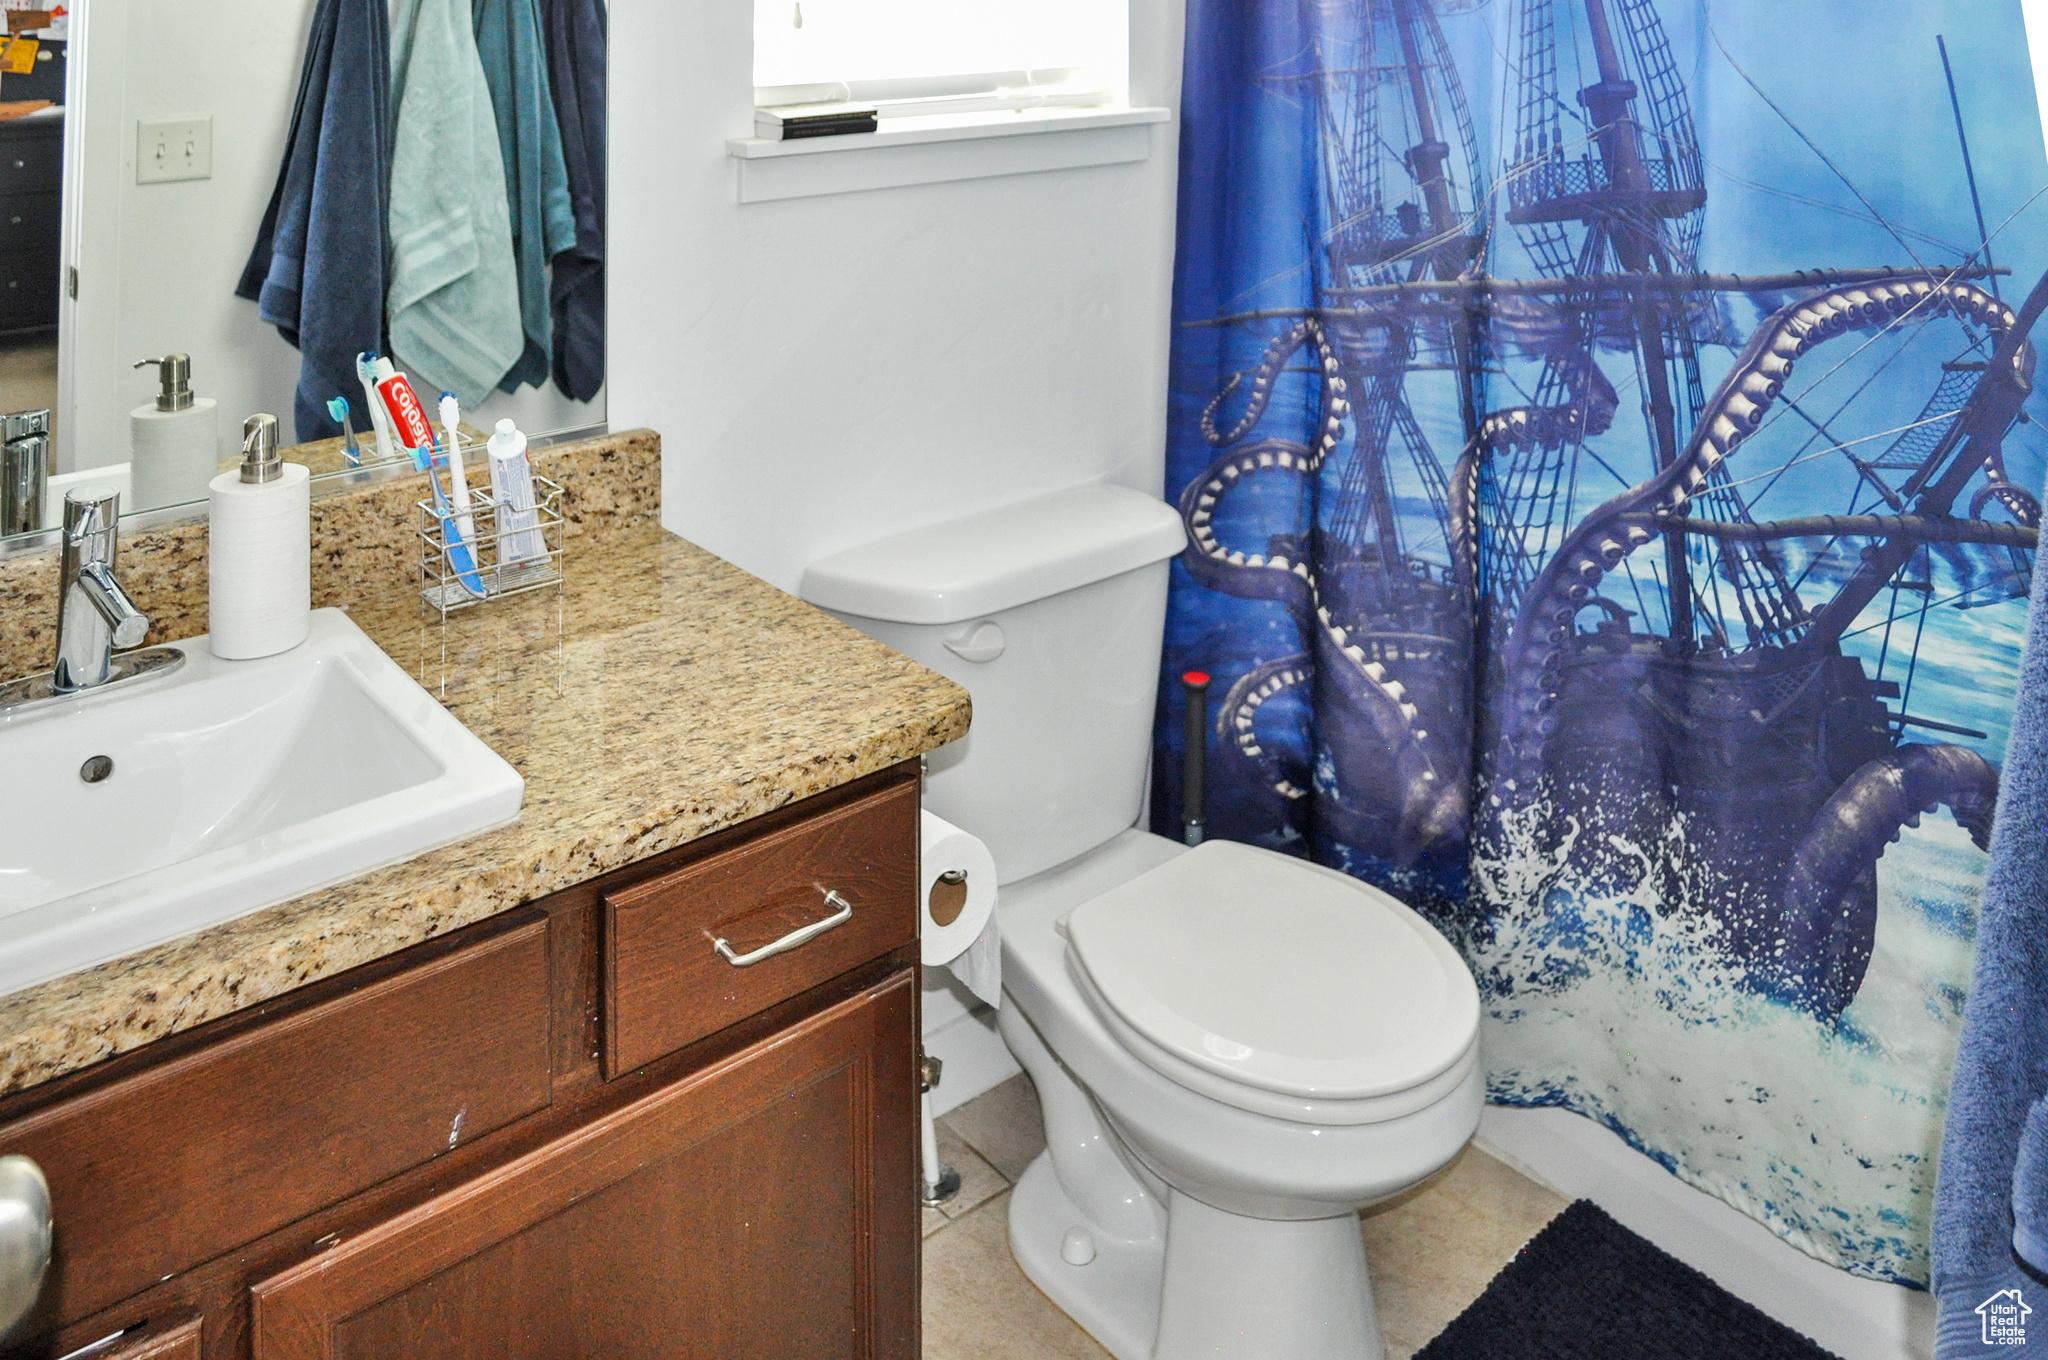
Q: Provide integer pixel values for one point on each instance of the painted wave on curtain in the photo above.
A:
(1650, 616)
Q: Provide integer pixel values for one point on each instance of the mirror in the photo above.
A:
(179, 178)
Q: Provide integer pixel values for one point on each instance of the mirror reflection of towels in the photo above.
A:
(453, 307)
(317, 271)
(576, 57)
(508, 40)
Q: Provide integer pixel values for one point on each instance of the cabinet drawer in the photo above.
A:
(31, 163)
(668, 984)
(187, 1160)
(29, 287)
(30, 222)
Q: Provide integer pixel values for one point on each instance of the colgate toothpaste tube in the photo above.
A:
(416, 432)
(408, 416)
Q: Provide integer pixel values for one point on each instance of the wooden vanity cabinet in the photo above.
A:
(431, 1156)
(728, 1214)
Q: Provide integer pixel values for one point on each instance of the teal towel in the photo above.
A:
(454, 300)
(508, 39)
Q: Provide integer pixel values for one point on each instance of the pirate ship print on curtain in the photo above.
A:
(1608, 476)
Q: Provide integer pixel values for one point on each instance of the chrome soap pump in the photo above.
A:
(174, 441)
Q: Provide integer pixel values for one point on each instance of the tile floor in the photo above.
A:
(1431, 1252)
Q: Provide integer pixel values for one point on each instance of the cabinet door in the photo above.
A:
(763, 1207)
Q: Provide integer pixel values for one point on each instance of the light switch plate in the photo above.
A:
(173, 148)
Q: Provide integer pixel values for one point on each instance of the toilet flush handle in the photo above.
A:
(982, 643)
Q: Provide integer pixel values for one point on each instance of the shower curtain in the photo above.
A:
(1604, 435)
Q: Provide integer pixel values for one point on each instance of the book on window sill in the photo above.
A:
(785, 122)
(788, 124)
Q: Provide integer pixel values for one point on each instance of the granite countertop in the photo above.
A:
(660, 695)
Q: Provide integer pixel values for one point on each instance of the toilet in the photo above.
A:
(1235, 1050)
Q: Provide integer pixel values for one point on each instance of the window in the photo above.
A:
(853, 95)
(924, 57)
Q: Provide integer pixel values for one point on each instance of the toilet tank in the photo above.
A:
(1050, 614)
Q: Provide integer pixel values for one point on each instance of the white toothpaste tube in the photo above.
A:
(519, 535)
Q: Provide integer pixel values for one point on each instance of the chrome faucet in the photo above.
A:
(24, 470)
(94, 613)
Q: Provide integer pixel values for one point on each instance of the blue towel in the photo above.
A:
(1991, 1198)
(2030, 1192)
(508, 40)
(317, 272)
(453, 308)
(576, 55)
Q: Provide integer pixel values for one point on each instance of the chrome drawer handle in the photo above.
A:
(801, 935)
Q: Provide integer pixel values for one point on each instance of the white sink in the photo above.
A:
(235, 785)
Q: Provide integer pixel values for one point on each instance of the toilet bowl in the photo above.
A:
(1234, 1050)
(1211, 1229)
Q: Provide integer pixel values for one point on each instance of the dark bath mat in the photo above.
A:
(1586, 1288)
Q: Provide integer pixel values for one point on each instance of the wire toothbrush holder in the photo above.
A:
(509, 553)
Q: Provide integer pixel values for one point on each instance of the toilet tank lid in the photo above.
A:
(980, 564)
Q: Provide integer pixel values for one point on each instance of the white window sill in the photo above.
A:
(948, 147)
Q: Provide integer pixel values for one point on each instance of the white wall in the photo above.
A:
(158, 263)
(960, 1032)
(828, 370)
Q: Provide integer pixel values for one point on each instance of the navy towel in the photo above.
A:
(1991, 1198)
(319, 267)
(576, 54)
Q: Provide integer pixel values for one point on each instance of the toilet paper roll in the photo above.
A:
(956, 890)
(981, 967)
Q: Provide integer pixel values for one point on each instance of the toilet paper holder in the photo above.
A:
(948, 897)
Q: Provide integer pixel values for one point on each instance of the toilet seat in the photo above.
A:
(1277, 986)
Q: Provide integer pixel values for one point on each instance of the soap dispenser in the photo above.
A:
(259, 563)
(174, 442)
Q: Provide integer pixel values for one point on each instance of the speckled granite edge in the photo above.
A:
(617, 769)
(365, 540)
(61, 1026)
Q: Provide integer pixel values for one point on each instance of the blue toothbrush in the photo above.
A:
(351, 452)
(459, 555)
(451, 529)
